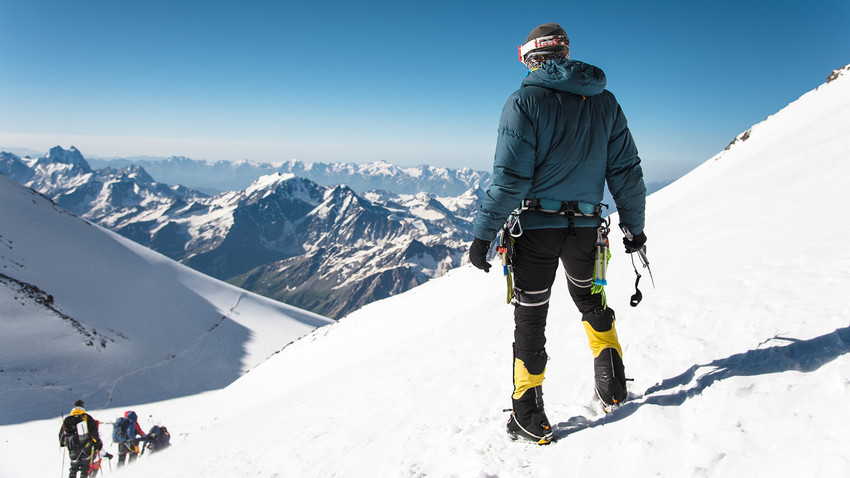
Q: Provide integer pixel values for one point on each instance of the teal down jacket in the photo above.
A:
(562, 135)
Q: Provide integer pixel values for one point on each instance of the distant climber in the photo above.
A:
(79, 434)
(124, 432)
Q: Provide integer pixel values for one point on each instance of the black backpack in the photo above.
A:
(75, 431)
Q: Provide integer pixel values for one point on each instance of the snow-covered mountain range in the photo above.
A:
(220, 176)
(740, 356)
(324, 248)
(327, 237)
(86, 312)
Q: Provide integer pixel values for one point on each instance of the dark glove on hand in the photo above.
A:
(478, 254)
(635, 244)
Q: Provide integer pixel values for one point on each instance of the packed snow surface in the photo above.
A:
(89, 314)
(739, 355)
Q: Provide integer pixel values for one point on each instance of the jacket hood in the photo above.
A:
(78, 411)
(568, 75)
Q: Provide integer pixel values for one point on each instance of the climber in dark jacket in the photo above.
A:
(562, 136)
(79, 433)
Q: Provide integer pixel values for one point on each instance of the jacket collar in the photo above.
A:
(571, 76)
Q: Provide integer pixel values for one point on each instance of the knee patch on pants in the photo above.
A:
(601, 333)
(529, 370)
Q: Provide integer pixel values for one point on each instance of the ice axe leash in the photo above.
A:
(637, 297)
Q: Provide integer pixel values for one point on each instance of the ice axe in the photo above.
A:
(637, 297)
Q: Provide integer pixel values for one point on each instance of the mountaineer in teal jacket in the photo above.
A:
(561, 137)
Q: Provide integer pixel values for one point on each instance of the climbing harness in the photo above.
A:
(571, 209)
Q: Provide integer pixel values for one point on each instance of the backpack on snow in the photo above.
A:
(158, 438)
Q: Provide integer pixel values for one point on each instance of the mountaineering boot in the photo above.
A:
(609, 372)
(610, 378)
(528, 419)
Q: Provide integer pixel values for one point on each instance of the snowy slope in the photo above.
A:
(739, 357)
(122, 324)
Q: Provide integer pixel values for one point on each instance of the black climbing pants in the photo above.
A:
(538, 252)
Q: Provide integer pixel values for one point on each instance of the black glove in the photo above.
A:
(478, 254)
(635, 244)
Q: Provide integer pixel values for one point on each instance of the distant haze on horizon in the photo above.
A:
(364, 82)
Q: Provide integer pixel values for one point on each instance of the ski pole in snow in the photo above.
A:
(108, 460)
(62, 470)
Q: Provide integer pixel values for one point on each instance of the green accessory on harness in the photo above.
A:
(603, 255)
(598, 286)
(506, 250)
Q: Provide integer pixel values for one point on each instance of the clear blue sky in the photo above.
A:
(406, 82)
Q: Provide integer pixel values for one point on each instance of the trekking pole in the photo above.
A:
(62, 470)
(108, 457)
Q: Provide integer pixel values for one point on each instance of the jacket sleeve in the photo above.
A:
(625, 176)
(94, 433)
(513, 168)
(139, 430)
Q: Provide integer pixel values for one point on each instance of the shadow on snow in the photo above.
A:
(800, 355)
